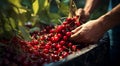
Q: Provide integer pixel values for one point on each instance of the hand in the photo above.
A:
(89, 32)
(83, 15)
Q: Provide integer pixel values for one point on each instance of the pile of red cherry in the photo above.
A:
(49, 45)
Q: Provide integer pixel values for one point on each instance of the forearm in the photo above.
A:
(111, 19)
(91, 5)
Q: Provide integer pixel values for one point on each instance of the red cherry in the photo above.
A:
(44, 30)
(54, 45)
(76, 17)
(55, 52)
(59, 28)
(47, 46)
(35, 47)
(52, 39)
(52, 31)
(46, 50)
(68, 20)
(77, 23)
(59, 35)
(51, 34)
(60, 50)
(65, 38)
(35, 42)
(42, 38)
(64, 54)
(56, 38)
(64, 23)
(55, 57)
(49, 43)
(62, 42)
(64, 47)
(47, 27)
(63, 31)
(69, 44)
(42, 43)
(58, 46)
(68, 34)
(74, 47)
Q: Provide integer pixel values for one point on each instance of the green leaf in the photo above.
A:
(34, 29)
(25, 33)
(15, 2)
(63, 10)
(35, 7)
(54, 17)
(41, 5)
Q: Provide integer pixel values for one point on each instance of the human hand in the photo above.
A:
(88, 33)
(83, 15)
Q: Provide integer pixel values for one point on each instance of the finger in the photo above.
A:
(79, 39)
(77, 29)
(76, 35)
(79, 12)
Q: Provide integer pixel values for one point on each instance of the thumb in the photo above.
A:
(79, 12)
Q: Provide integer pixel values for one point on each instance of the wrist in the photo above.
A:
(104, 22)
(87, 11)
(111, 18)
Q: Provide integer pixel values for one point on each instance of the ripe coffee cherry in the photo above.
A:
(56, 38)
(64, 54)
(69, 20)
(55, 52)
(64, 47)
(42, 43)
(35, 42)
(77, 23)
(69, 44)
(73, 47)
(60, 50)
(46, 50)
(58, 46)
(65, 38)
(42, 38)
(62, 42)
(63, 31)
(47, 46)
(52, 31)
(68, 34)
(59, 28)
(65, 23)
(50, 44)
(59, 35)
(55, 57)
(54, 45)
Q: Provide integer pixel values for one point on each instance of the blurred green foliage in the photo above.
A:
(15, 13)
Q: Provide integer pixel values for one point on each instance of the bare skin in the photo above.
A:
(85, 12)
(93, 30)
